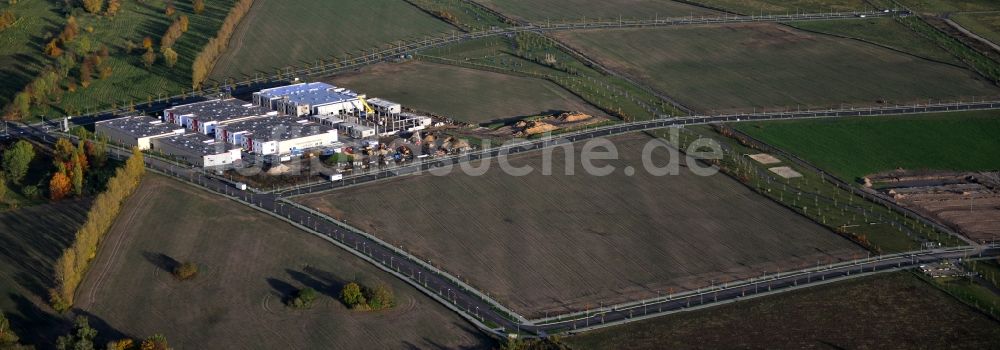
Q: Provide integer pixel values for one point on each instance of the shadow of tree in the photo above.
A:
(283, 289)
(162, 261)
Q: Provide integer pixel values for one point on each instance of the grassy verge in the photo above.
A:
(891, 310)
(974, 59)
(948, 6)
(553, 11)
(757, 7)
(538, 56)
(986, 25)
(882, 31)
(463, 14)
(970, 292)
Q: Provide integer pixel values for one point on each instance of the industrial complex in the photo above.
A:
(280, 123)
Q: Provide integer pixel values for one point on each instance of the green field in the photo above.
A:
(130, 80)
(738, 67)
(463, 94)
(785, 6)
(986, 25)
(275, 35)
(33, 238)
(248, 263)
(855, 147)
(945, 6)
(576, 10)
(882, 31)
(895, 311)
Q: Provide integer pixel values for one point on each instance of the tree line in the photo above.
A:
(206, 59)
(81, 336)
(72, 265)
(174, 32)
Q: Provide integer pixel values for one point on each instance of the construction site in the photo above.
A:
(967, 202)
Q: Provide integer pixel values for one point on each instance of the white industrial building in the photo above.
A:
(356, 130)
(385, 106)
(279, 136)
(308, 99)
(136, 131)
(198, 149)
(205, 117)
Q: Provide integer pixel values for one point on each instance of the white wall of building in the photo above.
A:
(222, 158)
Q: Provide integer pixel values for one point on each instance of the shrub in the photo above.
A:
(380, 297)
(31, 192)
(186, 271)
(304, 298)
(351, 296)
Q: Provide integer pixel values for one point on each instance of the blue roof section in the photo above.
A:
(314, 94)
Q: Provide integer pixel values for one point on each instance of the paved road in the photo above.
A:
(624, 128)
(490, 315)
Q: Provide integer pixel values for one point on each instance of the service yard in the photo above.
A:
(463, 94)
(248, 263)
(548, 244)
(897, 311)
(742, 67)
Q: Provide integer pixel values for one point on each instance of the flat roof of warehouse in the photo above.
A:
(198, 143)
(141, 126)
(279, 128)
(219, 110)
(310, 93)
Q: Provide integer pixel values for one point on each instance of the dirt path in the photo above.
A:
(970, 34)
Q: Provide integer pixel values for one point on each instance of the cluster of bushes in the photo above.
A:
(75, 260)
(78, 169)
(81, 336)
(303, 298)
(367, 299)
(8, 340)
(206, 59)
